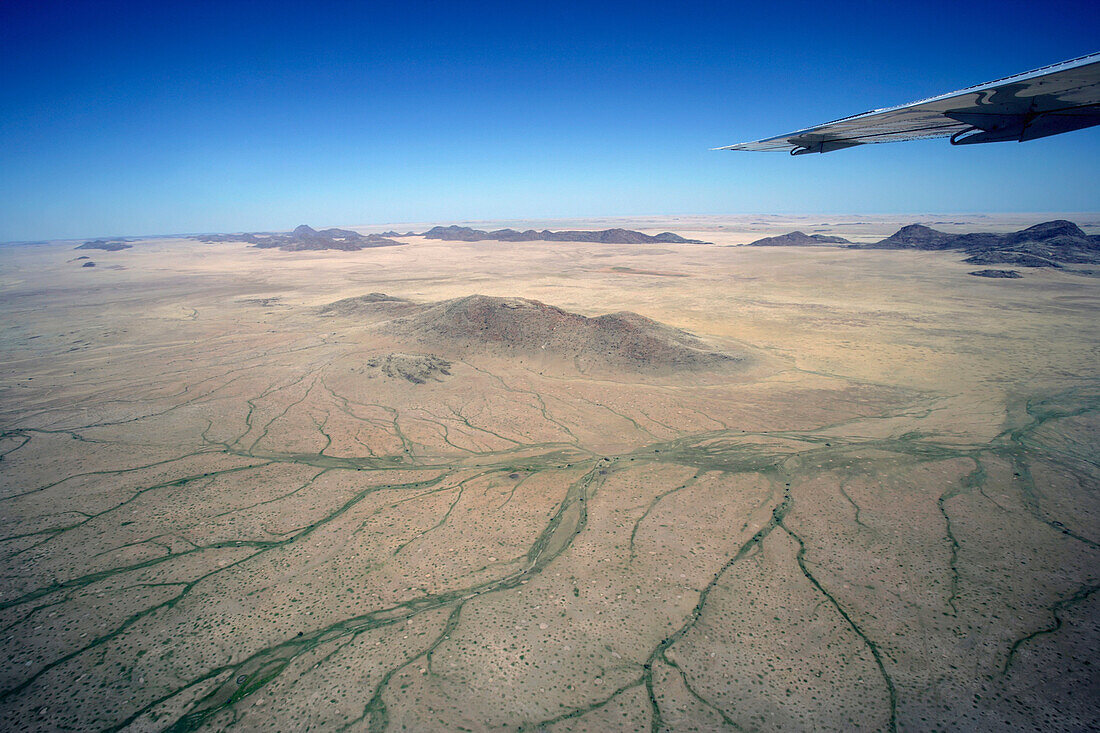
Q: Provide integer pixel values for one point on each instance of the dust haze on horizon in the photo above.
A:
(128, 119)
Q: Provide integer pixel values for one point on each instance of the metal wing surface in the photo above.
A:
(1034, 104)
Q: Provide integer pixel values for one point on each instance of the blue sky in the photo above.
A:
(145, 118)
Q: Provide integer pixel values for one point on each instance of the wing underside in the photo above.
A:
(1026, 106)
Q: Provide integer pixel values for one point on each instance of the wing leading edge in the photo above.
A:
(1046, 101)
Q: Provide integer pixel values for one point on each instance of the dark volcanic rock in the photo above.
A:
(915, 236)
(379, 298)
(605, 236)
(416, 368)
(1050, 244)
(264, 302)
(456, 234)
(1009, 274)
(1000, 257)
(670, 238)
(517, 326)
(243, 237)
(369, 304)
(1048, 230)
(88, 264)
(615, 236)
(797, 239)
(306, 238)
(108, 245)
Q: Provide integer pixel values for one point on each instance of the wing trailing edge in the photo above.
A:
(1047, 101)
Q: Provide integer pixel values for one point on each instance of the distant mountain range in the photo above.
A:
(605, 236)
(305, 238)
(1050, 244)
(105, 244)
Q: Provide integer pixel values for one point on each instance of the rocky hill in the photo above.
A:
(797, 239)
(306, 238)
(1050, 244)
(521, 328)
(105, 244)
(605, 236)
(366, 305)
(915, 236)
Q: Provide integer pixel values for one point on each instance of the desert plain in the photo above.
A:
(549, 486)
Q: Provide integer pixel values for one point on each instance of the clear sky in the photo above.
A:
(162, 117)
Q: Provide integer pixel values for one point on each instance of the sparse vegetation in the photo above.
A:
(232, 507)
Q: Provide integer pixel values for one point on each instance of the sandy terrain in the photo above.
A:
(226, 506)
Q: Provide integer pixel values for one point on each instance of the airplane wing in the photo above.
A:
(1047, 101)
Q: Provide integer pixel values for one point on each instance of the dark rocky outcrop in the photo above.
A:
(1001, 257)
(369, 304)
(797, 239)
(306, 238)
(88, 264)
(250, 238)
(1050, 244)
(605, 236)
(416, 368)
(1009, 274)
(264, 302)
(915, 236)
(517, 327)
(110, 245)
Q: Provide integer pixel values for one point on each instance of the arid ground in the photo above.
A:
(803, 488)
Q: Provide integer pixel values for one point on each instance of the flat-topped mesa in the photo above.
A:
(797, 239)
(306, 238)
(518, 327)
(605, 236)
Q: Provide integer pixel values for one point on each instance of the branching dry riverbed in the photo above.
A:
(239, 523)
